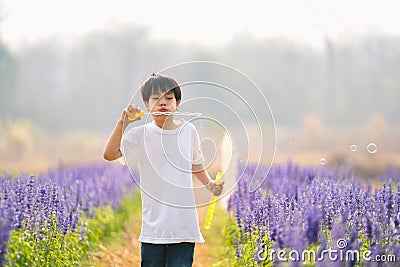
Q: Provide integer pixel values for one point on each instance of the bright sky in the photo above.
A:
(203, 22)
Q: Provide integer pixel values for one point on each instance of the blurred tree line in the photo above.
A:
(60, 85)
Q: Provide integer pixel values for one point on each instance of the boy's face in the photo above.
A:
(162, 102)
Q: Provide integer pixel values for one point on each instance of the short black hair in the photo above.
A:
(159, 83)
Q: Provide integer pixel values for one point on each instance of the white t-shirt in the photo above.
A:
(164, 159)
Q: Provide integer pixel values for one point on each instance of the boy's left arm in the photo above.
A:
(202, 175)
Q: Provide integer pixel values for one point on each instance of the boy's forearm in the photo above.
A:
(111, 150)
(201, 173)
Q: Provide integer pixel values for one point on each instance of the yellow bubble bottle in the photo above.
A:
(134, 116)
(213, 202)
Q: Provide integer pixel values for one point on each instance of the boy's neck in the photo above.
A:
(167, 124)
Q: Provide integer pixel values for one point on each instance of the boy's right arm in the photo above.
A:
(111, 150)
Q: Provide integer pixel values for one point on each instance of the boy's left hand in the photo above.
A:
(212, 187)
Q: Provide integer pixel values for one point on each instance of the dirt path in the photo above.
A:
(127, 252)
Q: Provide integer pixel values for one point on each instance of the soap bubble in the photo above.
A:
(372, 148)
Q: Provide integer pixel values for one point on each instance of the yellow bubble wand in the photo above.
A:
(134, 116)
(213, 202)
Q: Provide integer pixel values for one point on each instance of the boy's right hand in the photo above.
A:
(130, 114)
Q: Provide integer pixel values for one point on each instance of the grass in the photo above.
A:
(120, 249)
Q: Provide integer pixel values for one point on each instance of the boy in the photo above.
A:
(167, 153)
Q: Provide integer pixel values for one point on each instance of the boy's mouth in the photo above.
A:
(163, 110)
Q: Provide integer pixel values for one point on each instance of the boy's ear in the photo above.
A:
(146, 103)
(177, 103)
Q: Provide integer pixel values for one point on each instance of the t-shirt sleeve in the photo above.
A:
(198, 157)
(129, 147)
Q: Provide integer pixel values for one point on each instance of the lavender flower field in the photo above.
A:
(301, 216)
(53, 219)
(314, 216)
